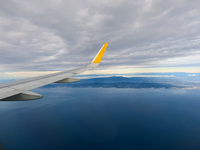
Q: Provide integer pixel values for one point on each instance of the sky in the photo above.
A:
(44, 36)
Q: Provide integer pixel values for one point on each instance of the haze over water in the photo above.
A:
(98, 118)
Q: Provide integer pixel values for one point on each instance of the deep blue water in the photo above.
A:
(69, 118)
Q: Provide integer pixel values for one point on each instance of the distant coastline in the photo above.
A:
(133, 82)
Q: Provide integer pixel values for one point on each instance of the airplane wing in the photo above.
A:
(19, 90)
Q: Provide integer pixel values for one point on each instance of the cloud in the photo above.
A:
(50, 35)
(192, 75)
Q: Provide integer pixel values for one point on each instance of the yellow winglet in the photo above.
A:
(100, 54)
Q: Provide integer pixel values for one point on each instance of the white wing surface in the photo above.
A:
(19, 90)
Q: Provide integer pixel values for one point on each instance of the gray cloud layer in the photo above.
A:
(58, 34)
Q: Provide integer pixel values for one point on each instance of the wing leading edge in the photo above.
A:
(19, 90)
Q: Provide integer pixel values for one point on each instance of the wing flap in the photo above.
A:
(9, 93)
(68, 80)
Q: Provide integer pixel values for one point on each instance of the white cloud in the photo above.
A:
(193, 13)
(192, 75)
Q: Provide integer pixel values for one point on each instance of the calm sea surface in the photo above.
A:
(69, 118)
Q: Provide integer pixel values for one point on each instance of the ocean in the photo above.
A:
(103, 118)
